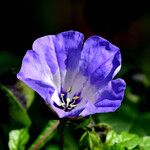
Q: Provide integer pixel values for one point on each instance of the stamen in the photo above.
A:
(76, 97)
(66, 103)
(62, 98)
(72, 105)
(61, 95)
(69, 90)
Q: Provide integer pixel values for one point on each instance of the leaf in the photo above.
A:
(126, 140)
(102, 129)
(129, 140)
(14, 112)
(85, 122)
(145, 143)
(28, 93)
(18, 139)
(122, 141)
(48, 132)
(90, 140)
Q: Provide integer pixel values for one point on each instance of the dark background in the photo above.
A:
(124, 23)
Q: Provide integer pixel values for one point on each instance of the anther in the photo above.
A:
(62, 95)
(69, 90)
(76, 97)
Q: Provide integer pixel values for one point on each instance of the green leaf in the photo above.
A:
(85, 122)
(28, 93)
(122, 141)
(126, 140)
(18, 139)
(90, 140)
(48, 132)
(15, 113)
(145, 143)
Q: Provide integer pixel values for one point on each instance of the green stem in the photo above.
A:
(61, 141)
(45, 135)
(61, 133)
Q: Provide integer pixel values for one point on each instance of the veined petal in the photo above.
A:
(61, 53)
(36, 76)
(71, 43)
(45, 48)
(100, 60)
(108, 100)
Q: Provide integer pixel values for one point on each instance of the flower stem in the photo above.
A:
(61, 133)
(48, 132)
(61, 142)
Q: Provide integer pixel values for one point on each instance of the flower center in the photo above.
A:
(66, 103)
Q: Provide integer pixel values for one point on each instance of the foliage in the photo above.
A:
(15, 112)
(125, 140)
(114, 141)
(18, 139)
(48, 132)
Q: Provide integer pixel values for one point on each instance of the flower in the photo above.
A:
(73, 78)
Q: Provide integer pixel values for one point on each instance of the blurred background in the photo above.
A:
(125, 24)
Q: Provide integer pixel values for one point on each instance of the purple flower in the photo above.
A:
(73, 78)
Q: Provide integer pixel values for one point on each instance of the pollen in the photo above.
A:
(69, 90)
(61, 95)
(76, 97)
